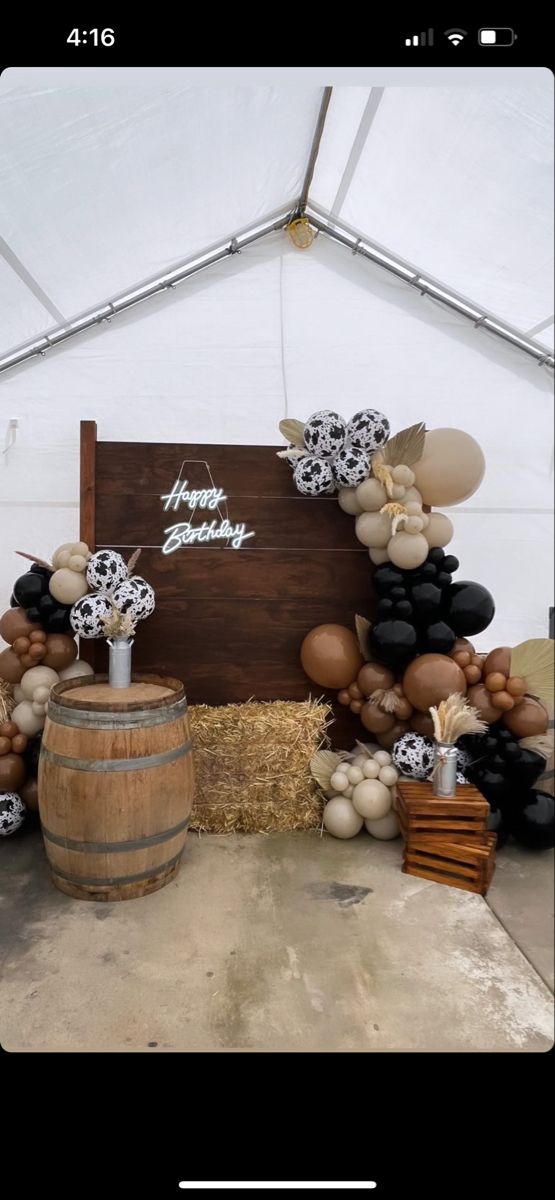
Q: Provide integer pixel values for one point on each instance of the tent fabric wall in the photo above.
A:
(99, 187)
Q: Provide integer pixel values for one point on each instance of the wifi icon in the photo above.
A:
(455, 36)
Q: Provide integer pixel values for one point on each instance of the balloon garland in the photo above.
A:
(92, 595)
(416, 653)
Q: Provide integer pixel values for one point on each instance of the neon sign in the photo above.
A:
(184, 533)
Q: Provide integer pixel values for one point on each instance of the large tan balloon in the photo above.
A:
(372, 799)
(373, 676)
(375, 720)
(29, 793)
(387, 740)
(12, 772)
(439, 530)
(330, 656)
(378, 556)
(479, 697)
(422, 723)
(61, 650)
(432, 678)
(14, 623)
(384, 828)
(528, 719)
(67, 586)
(75, 669)
(408, 550)
(11, 667)
(373, 529)
(451, 468)
(341, 819)
(347, 500)
(27, 720)
(371, 495)
(35, 678)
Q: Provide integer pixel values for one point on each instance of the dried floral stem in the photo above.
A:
(453, 718)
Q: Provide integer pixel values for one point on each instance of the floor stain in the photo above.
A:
(346, 894)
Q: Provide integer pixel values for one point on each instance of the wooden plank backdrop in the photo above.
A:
(228, 622)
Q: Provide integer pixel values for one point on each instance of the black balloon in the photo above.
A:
(436, 555)
(58, 621)
(13, 602)
(393, 643)
(31, 755)
(33, 614)
(491, 783)
(450, 563)
(528, 767)
(438, 638)
(40, 570)
(497, 824)
(426, 598)
(29, 588)
(468, 607)
(386, 577)
(533, 823)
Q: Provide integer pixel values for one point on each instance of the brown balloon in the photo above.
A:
(516, 686)
(330, 656)
(422, 723)
(462, 658)
(375, 720)
(344, 697)
(9, 729)
(527, 719)
(432, 678)
(498, 661)
(19, 743)
(387, 740)
(478, 697)
(373, 676)
(5, 745)
(495, 681)
(462, 644)
(14, 623)
(21, 646)
(354, 691)
(11, 667)
(502, 700)
(29, 793)
(38, 635)
(404, 709)
(356, 706)
(12, 772)
(472, 673)
(37, 651)
(61, 650)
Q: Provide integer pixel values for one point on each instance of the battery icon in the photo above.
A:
(496, 37)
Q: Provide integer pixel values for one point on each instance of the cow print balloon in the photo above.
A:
(351, 466)
(105, 570)
(413, 755)
(88, 613)
(12, 813)
(324, 434)
(136, 597)
(313, 477)
(368, 429)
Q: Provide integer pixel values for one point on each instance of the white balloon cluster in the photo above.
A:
(31, 694)
(360, 790)
(329, 452)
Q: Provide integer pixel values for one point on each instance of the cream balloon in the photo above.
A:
(374, 529)
(17, 693)
(383, 758)
(68, 586)
(388, 775)
(412, 494)
(340, 818)
(75, 669)
(347, 500)
(384, 828)
(65, 551)
(378, 556)
(26, 720)
(407, 550)
(439, 531)
(372, 799)
(37, 677)
(451, 468)
(371, 495)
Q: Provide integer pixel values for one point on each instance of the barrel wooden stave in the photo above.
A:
(83, 810)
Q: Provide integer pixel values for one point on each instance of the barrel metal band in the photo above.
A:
(87, 719)
(114, 764)
(117, 880)
(115, 847)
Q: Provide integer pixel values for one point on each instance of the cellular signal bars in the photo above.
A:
(421, 39)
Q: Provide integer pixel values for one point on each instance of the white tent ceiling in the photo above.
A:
(103, 183)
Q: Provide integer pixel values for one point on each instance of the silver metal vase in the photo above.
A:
(444, 774)
(119, 670)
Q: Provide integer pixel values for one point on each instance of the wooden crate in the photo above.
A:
(469, 866)
(423, 815)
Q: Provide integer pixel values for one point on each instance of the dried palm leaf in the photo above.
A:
(363, 628)
(406, 447)
(533, 661)
(118, 624)
(322, 766)
(540, 743)
(363, 749)
(133, 562)
(293, 431)
(453, 718)
(41, 562)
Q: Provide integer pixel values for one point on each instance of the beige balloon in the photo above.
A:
(347, 500)
(26, 720)
(384, 828)
(341, 819)
(60, 557)
(37, 677)
(68, 586)
(373, 529)
(451, 468)
(378, 556)
(75, 669)
(371, 495)
(408, 550)
(412, 494)
(18, 693)
(372, 799)
(439, 530)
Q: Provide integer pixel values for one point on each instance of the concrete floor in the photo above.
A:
(280, 942)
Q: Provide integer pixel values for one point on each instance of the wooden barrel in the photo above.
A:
(115, 785)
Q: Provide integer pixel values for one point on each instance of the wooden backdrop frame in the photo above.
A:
(229, 622)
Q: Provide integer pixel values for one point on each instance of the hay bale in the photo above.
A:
(252, 765)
